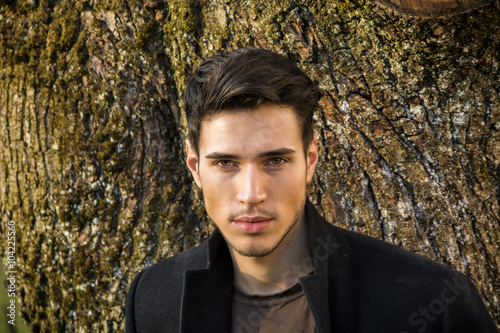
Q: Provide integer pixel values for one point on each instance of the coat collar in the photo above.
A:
(209, 290)
(327, 251)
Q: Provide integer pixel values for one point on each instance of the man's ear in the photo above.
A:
(311, 158)
(192, 162)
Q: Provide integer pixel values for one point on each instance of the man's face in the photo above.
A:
(253, 173)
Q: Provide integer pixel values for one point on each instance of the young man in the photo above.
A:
(274, 264)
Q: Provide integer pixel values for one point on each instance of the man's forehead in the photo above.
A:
(270, 113)
(268, 116)
(264, 129)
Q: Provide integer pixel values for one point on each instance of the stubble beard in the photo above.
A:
(260, 253)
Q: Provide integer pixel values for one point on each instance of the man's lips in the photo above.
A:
(251, 224)
(252, 219)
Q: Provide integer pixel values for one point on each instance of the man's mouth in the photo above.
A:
(251, 224)
(252, 219)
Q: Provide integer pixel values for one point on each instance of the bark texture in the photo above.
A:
(92, 136)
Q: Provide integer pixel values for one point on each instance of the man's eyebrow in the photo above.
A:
(275, 152)
(222, 156)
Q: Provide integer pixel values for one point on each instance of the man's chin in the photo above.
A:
(253, 252)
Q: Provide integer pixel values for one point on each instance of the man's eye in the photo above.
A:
(276, 161)
(224, 163)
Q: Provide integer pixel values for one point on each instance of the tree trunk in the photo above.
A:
(92, 135)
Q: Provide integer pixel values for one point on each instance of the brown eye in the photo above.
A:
(224, 163)
(276, 161)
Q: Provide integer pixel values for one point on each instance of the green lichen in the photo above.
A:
(149, 38)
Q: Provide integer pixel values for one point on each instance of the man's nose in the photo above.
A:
(251, 189)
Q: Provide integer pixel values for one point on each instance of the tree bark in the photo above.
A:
(92, 136)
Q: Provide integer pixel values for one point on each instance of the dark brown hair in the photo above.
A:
(245, 80)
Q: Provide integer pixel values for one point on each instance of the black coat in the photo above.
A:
(360, 284)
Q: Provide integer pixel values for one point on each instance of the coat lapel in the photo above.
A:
(316, 290)
(207, 293)
(329, 258)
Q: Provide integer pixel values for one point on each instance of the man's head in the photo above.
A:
(252, 149)
(245, 80)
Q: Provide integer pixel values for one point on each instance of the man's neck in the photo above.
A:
(277, 271)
